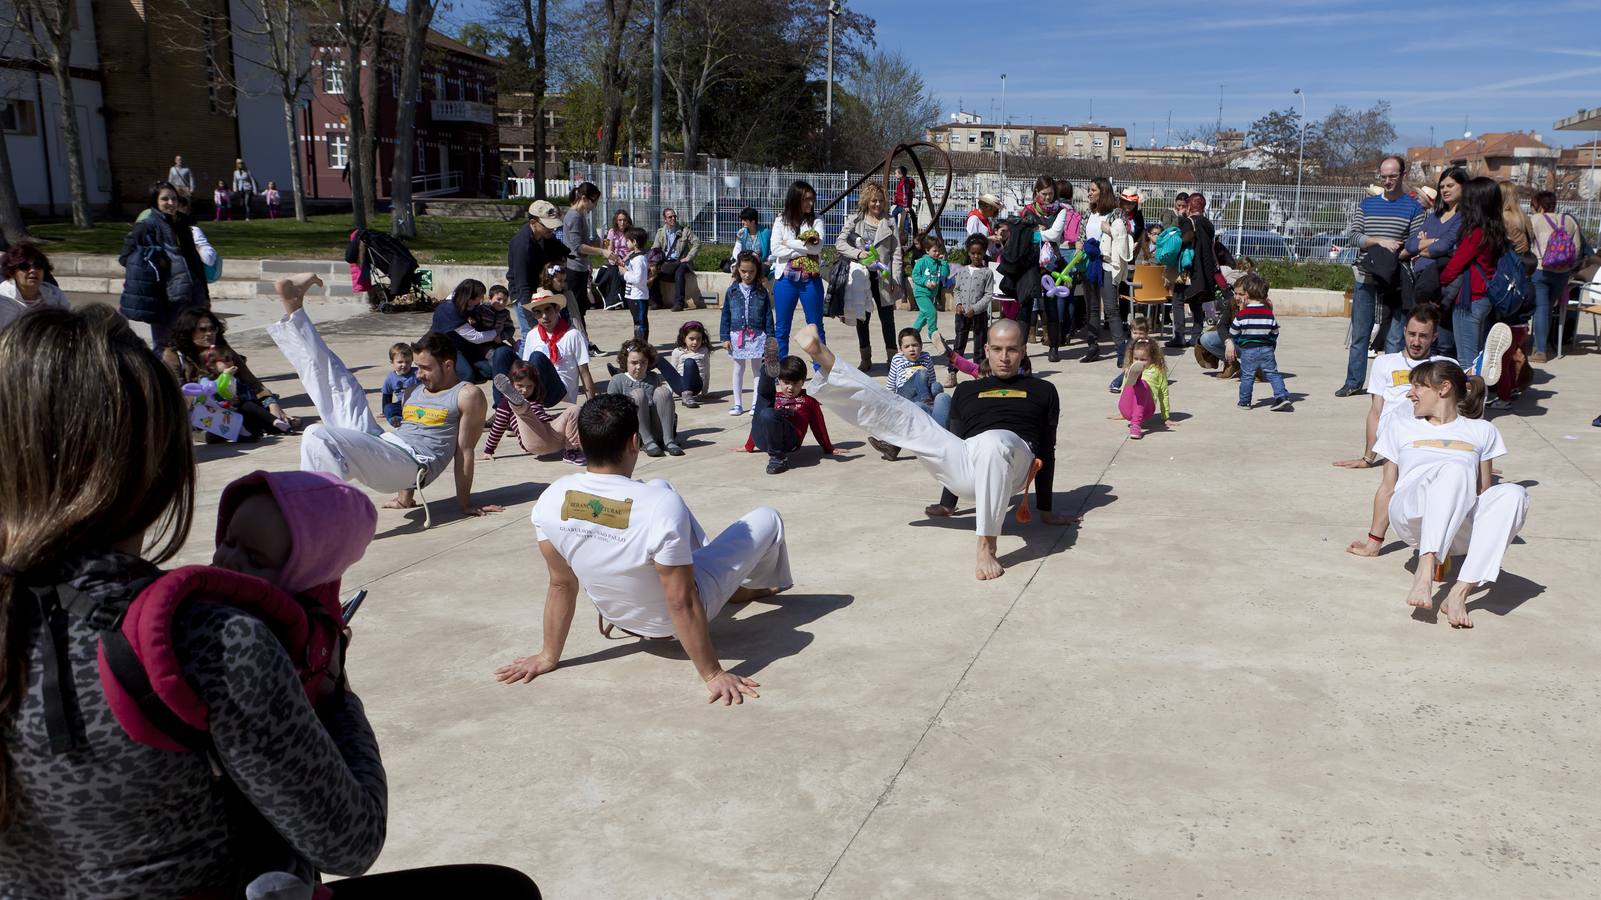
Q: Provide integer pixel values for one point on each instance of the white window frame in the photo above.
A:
(338, 151)
(333, 76)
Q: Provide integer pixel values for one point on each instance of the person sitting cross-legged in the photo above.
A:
(641, 556)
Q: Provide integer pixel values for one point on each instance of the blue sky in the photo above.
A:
(1509, 65)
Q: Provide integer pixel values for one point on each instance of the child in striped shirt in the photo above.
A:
(1253, 335)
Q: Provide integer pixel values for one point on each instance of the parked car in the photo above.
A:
(1327, 246)
(1257, 243)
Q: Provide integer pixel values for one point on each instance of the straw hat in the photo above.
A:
(1427, 194)
(1130, 194)
(989, 200)
(543, 298)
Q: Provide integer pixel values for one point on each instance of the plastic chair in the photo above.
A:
(1586, 295)
(1150, 291)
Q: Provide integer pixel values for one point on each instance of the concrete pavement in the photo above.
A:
(1195, 693)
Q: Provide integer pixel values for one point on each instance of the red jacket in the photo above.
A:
(804, 412)
(1475, 257)
(903, 191)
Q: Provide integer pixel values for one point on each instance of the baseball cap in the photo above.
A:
(545, 212)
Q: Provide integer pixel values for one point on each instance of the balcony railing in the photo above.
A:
(463, 111)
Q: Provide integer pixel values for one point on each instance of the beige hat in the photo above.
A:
(990, 200)
(1427, 194)
(543, 297)
(1130, 194)
(545, 212)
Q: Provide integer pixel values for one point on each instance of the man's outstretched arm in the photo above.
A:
(561, 598)
(473, 408)
(689, 624)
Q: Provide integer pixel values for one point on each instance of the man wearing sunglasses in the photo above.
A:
(1384, 220)
(678, 245)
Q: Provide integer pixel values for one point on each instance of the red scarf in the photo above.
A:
(988, 228)
(562, 327)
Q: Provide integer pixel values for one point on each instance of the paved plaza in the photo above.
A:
(1196, 693)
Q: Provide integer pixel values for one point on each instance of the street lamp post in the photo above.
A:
(828, 101)
(1002, 138)
(1300, 157)
(656, 112)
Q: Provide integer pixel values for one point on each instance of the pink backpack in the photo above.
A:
(1561, 252)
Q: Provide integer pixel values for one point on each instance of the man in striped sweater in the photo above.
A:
(1385, 220)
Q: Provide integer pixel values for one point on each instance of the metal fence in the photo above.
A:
(1264, 221)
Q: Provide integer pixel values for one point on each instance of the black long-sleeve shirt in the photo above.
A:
(526, 258)
(1024, 405)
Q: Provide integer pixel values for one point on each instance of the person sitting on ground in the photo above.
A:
(494, 314)
(1438, 490)
(1253, 337)
(1001, 437)
(400, 381)
(689, 369)
(784, 413)
(537, 431)
(558, 352)
(480, 355)
(1138, 327)
(222, 367)
(747, 323)
(1390, 380)
(1144, 389)
(642, 558)
(652, 397)
(911, 375)
(198, 329)
(25, 269)
(443, 416)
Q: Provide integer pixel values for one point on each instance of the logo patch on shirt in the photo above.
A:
(431, 416)
(1002, 394)
(1400, 377)
(603, 511)
(1442, 444)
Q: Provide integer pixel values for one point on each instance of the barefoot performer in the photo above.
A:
(442, 417)
(642, 557)
(1002, 434)
(1438, 491)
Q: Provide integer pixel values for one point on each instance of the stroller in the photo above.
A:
(384, 269)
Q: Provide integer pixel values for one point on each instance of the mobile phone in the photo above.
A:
(347, 610)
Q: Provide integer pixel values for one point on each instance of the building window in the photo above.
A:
(971, 139)
(338, 151)
(16, 116)
(333, 76)
(1099, 142)
(1060, 141)
(1078, 142)
(1117, 142)
(1040, 141)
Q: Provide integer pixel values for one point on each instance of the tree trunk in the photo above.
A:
(537, 25)
(370, 131)
(419, 16)
(11, 224)
(611, 84)
(292, 130)
(60, 57)
(356, 128)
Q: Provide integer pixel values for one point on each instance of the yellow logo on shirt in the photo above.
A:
(602, 511)
(430, 416)
(1400, 377)
(1001, 394)
(1443, 444)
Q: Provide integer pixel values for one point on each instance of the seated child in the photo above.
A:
(1253, 337)
(1138, 327)
(220, 360)
(784, 412)
(650, 394)
(537, 431)
(911, 375)
(494, 314)
(299, 531)
(1144, 388)
(398, 383)
(690, 368)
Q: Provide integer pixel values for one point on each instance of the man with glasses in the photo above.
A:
(1383, 220)
(678, 245)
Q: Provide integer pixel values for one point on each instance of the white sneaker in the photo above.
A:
(1373, 354)
(1496, 344)
(736, 410)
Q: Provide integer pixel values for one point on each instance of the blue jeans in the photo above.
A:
(1467, 323)
(640, 308)
(551, 388)
(1212, 341)
(1261, 357)
(497, 362)
(689, 381)
(1363, 301)
(1548, 288)
(809, 293)
(926, 391)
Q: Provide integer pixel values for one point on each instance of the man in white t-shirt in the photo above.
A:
(562, 345)
(642, 557)
(1390, 377)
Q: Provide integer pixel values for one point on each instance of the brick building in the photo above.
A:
(1515, 156)
(457, 149)
(514, 117)
(969, 133)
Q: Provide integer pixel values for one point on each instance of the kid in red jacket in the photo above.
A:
(784, 412)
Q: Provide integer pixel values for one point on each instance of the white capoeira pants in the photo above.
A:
(348, 442)
(750, 552)
(989, 467)
(1441, 513)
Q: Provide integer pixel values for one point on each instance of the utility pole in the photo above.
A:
(1002, 144)
(1167, 136)
(656, 113)
(1219, 127)
(1300, 157)
(828, 102)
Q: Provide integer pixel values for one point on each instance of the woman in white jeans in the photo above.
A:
(1438, 492)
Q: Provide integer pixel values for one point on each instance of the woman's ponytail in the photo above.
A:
(1472, 402)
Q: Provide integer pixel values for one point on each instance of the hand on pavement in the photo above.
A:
(524, 669)
(486, 509)
(730, 688)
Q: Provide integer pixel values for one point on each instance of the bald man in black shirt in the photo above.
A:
(1002, 434)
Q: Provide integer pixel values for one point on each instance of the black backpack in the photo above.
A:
(1019, 256)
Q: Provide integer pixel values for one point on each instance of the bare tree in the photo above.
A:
(613, 75)
(536, 21)
(354, 26)
(704, 42)
(891, 105)
(419, 18)
(49, 25)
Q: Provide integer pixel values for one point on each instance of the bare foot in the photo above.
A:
(403, 500)
(936, 511)
(746, 594)
(938, 342)
(1422, 593)
(989, 568)
(812, 345)
(1363, 547)
(1056, 518)
(292, 290)
(1456, 605)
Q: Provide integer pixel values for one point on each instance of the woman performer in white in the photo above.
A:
(1438, 492)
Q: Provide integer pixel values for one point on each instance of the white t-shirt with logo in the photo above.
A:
(1390, 377)
(1418, 447)
(613, 531)
(573, 349)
